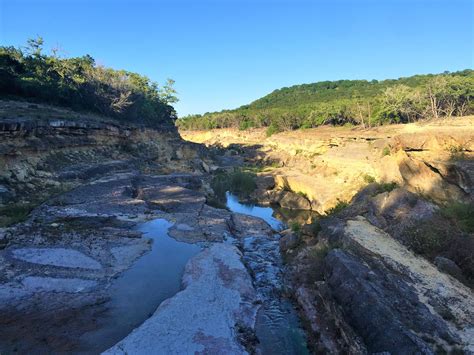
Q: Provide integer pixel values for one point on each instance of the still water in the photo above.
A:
(138, 292)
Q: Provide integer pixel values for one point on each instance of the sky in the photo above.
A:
(227, 53)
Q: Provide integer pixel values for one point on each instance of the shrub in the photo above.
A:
(239, 182)
(272, 129)
(457, 152)
(341, 205)
(295, 227)
(385, 151)
(13, 214)
(368, 178)
(388, 186)
(462, 214)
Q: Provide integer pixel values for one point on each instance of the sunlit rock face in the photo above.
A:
(45, 150)
(331, 164)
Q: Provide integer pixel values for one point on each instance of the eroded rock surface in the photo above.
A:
(329, 164)
(217, 300)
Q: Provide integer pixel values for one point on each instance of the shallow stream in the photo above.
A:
(156, 276)
(278, 327)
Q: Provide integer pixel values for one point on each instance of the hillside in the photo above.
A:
(28, 73)
(348, 102)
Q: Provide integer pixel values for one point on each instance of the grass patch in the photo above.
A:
(369, 179)
(341, 205)
(241, 183)
(303, 194)
(385, 151)
(14, 214)
(388, 186)
(457, 152)
(461, 214)
(295, 227)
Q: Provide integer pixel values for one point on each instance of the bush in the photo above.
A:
(368, 178)
(79, 83)
(13, 214)
(462, 214)
(272, 129)
(388, 186)
(295, 227)
(341, 205)
(238, 182)
(441, 235)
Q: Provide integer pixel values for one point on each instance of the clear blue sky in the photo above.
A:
(226, 53)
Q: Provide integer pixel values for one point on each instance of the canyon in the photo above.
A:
(78, 193)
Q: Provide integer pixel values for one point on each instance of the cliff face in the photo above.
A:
(45, 150)
(389, 268)
(328, 165)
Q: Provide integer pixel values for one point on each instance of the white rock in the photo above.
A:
(200, 319)
(56, 257)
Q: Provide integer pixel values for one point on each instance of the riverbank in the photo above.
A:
(387, 266)
(388, 269)
(327, 166)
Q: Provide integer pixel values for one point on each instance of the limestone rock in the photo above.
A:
(448, 266)
(218, 279)
(398, 294)
(294, 201)
(56, 257)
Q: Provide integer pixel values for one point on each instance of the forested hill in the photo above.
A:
(349, 102)
(82, 85)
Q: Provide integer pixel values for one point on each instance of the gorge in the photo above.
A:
(114, 239)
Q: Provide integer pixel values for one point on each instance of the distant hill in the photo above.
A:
(349, 102)
(80, 84)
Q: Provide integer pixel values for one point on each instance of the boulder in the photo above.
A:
(398, 209)
(288, 240)
(294, 201)
(449, 267)
(265, 182)
(440, 181)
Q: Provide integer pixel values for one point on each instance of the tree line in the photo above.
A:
(354, 102)
(81, 84)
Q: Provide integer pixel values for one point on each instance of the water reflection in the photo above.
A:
(138, 292)
(265, 213)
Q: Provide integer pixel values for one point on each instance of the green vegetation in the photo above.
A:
(369, 179)
(81, 84)
(388, 186)
(462, 214)
(349, 102)
(295, 227)
(385, 151)
(449, 233)
(239, 182)
(13, 214)
(341, 205)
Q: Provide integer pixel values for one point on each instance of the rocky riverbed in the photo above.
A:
(65, 258)
(110, 207)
